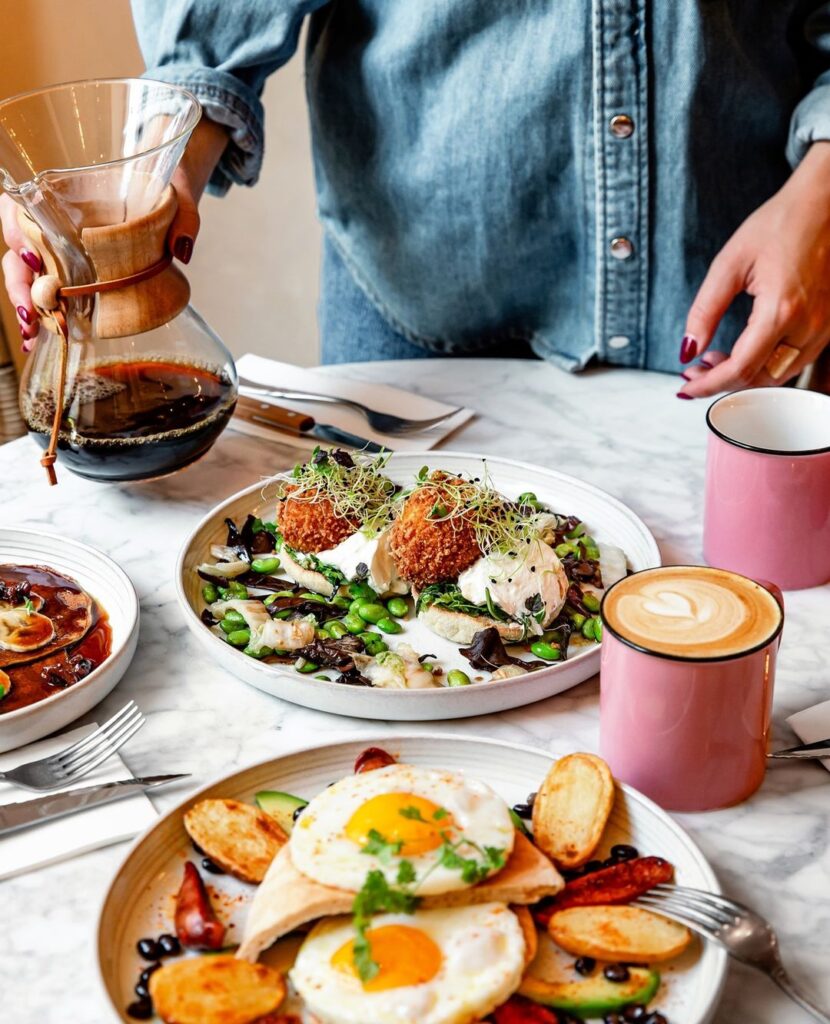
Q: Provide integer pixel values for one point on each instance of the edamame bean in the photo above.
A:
(239, 637)
(598, 628)
(563, 549)
(324, 678)
(232, 616)
(228, 627)
(238, 590)
(354, 623)
(397, 607)
(308, 595)
(591, 602)
(578, 619)
(376, 647)
(262, 652)
(210, 593)
(371, 611)
(588, 629)
(341, 602)
(368, 635)
(336, 629)
(545, 651)
(387, 625)
(354, 605)
(577, 531)
(455, 677)
(223, 592)
(308, 668)
(322, 633)
(265, 565)
(363, 591)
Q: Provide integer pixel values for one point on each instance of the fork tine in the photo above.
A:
(111, 729)
(725, 910)
(108, 746)
(111, 749)
(694, 917)
(92, 737)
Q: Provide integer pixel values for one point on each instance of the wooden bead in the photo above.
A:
(46, 292)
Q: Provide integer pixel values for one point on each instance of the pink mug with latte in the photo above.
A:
(686, 681)
(768, 486)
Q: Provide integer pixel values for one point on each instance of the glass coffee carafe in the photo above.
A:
(126, 380)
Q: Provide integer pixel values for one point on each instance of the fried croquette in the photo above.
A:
(426, 548)
(311, 525)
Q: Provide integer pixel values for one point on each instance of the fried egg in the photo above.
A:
(433, 967)
(376, 820)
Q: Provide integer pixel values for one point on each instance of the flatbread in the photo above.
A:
(287, 898)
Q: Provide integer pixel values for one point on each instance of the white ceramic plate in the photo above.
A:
(112, 589)
(140, 902)
(607, 520)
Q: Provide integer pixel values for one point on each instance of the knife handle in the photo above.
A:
(254, 411)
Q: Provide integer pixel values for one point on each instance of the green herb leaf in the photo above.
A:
(440, 814)
(29, 605)
(411, 813)
(380, 847)
(406, 873)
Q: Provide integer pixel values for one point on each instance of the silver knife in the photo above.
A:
(267, 414)
(45, 808)
(819, 749)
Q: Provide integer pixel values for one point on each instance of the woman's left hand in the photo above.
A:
(781, 257)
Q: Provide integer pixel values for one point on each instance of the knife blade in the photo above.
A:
(14, 817)
(269, 414)
(819, 749)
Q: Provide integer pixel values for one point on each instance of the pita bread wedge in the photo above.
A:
(287, 899)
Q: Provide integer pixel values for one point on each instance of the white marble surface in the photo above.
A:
(622, 430)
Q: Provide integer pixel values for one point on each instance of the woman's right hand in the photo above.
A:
(206, 145)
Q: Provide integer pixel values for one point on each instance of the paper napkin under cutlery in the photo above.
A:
(381, 397)
(86, 830)
(812, 724)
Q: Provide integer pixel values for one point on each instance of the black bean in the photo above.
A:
(562, 1017)
(141, 990)
(148, 949)
(169, 945)
(141, 1009)
(592, 866)
(634, 1012)
(616, 972)
(585, 965)
(209, 865)
(655, 1018)
(298, 811)
(612, 1018)
(144, 977)
(523, 811)
(623, 852)
(197, 848)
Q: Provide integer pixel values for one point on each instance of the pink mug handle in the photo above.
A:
(778, 594)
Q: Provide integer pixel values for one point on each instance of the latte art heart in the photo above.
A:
(691, 611)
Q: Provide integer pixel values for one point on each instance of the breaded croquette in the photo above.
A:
(311, 524)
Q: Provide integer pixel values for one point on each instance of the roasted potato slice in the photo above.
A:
(528, 926)
(215, 990)
(572, 807)
(624, 933)
(240, 838)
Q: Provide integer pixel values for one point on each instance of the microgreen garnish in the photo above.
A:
(29, 605)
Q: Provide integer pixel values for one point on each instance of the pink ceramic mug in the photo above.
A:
(768, 486)
(688, 729)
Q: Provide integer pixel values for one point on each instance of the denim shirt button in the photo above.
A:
(622, 248)
(619, 341)
(621, 126)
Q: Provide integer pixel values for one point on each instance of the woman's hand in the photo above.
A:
(781, 256)
(206, 145)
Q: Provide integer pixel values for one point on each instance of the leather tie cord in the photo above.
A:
(58, 313)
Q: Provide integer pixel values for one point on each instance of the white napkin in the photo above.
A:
(812, 725)
(52, 841)
(377, 396)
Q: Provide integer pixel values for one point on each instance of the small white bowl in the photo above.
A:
(112, 589)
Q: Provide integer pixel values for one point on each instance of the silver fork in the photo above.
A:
(80, 758)
(383, 422)
(745, 935)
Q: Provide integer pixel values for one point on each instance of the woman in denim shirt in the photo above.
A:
(574, 179)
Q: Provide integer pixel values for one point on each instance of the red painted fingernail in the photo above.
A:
(183, 248)
(685, 376)
(705, 362)
(31, 259)
(688, 349)
(680, 394)
(24, 314)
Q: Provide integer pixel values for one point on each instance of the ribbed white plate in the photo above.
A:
(140, 898)
(607, 519)
(112, 589)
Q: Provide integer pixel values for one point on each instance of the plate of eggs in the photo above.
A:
(430, 879)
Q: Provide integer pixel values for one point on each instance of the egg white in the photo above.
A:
(321, 850)
(482, 965)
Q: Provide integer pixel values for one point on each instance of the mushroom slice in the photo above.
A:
(224, 570)
(23, 631)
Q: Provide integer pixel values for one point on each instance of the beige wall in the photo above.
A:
(254, 271)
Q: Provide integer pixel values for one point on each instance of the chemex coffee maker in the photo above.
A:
(126, 380)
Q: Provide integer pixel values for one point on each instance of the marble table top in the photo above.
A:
(622, 430)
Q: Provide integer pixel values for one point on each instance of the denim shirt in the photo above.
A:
(561, 171)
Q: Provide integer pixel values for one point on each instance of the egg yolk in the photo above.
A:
(400, 818)
(405, 956)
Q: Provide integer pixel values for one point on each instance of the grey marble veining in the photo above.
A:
(623, 431)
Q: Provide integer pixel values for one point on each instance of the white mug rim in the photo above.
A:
(747, 446)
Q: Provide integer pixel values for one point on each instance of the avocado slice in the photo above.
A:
(281, 807)
(595, 996)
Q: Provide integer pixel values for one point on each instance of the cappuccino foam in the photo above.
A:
(691, 612)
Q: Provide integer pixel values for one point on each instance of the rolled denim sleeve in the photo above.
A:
(223, 53)
(811, 119)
